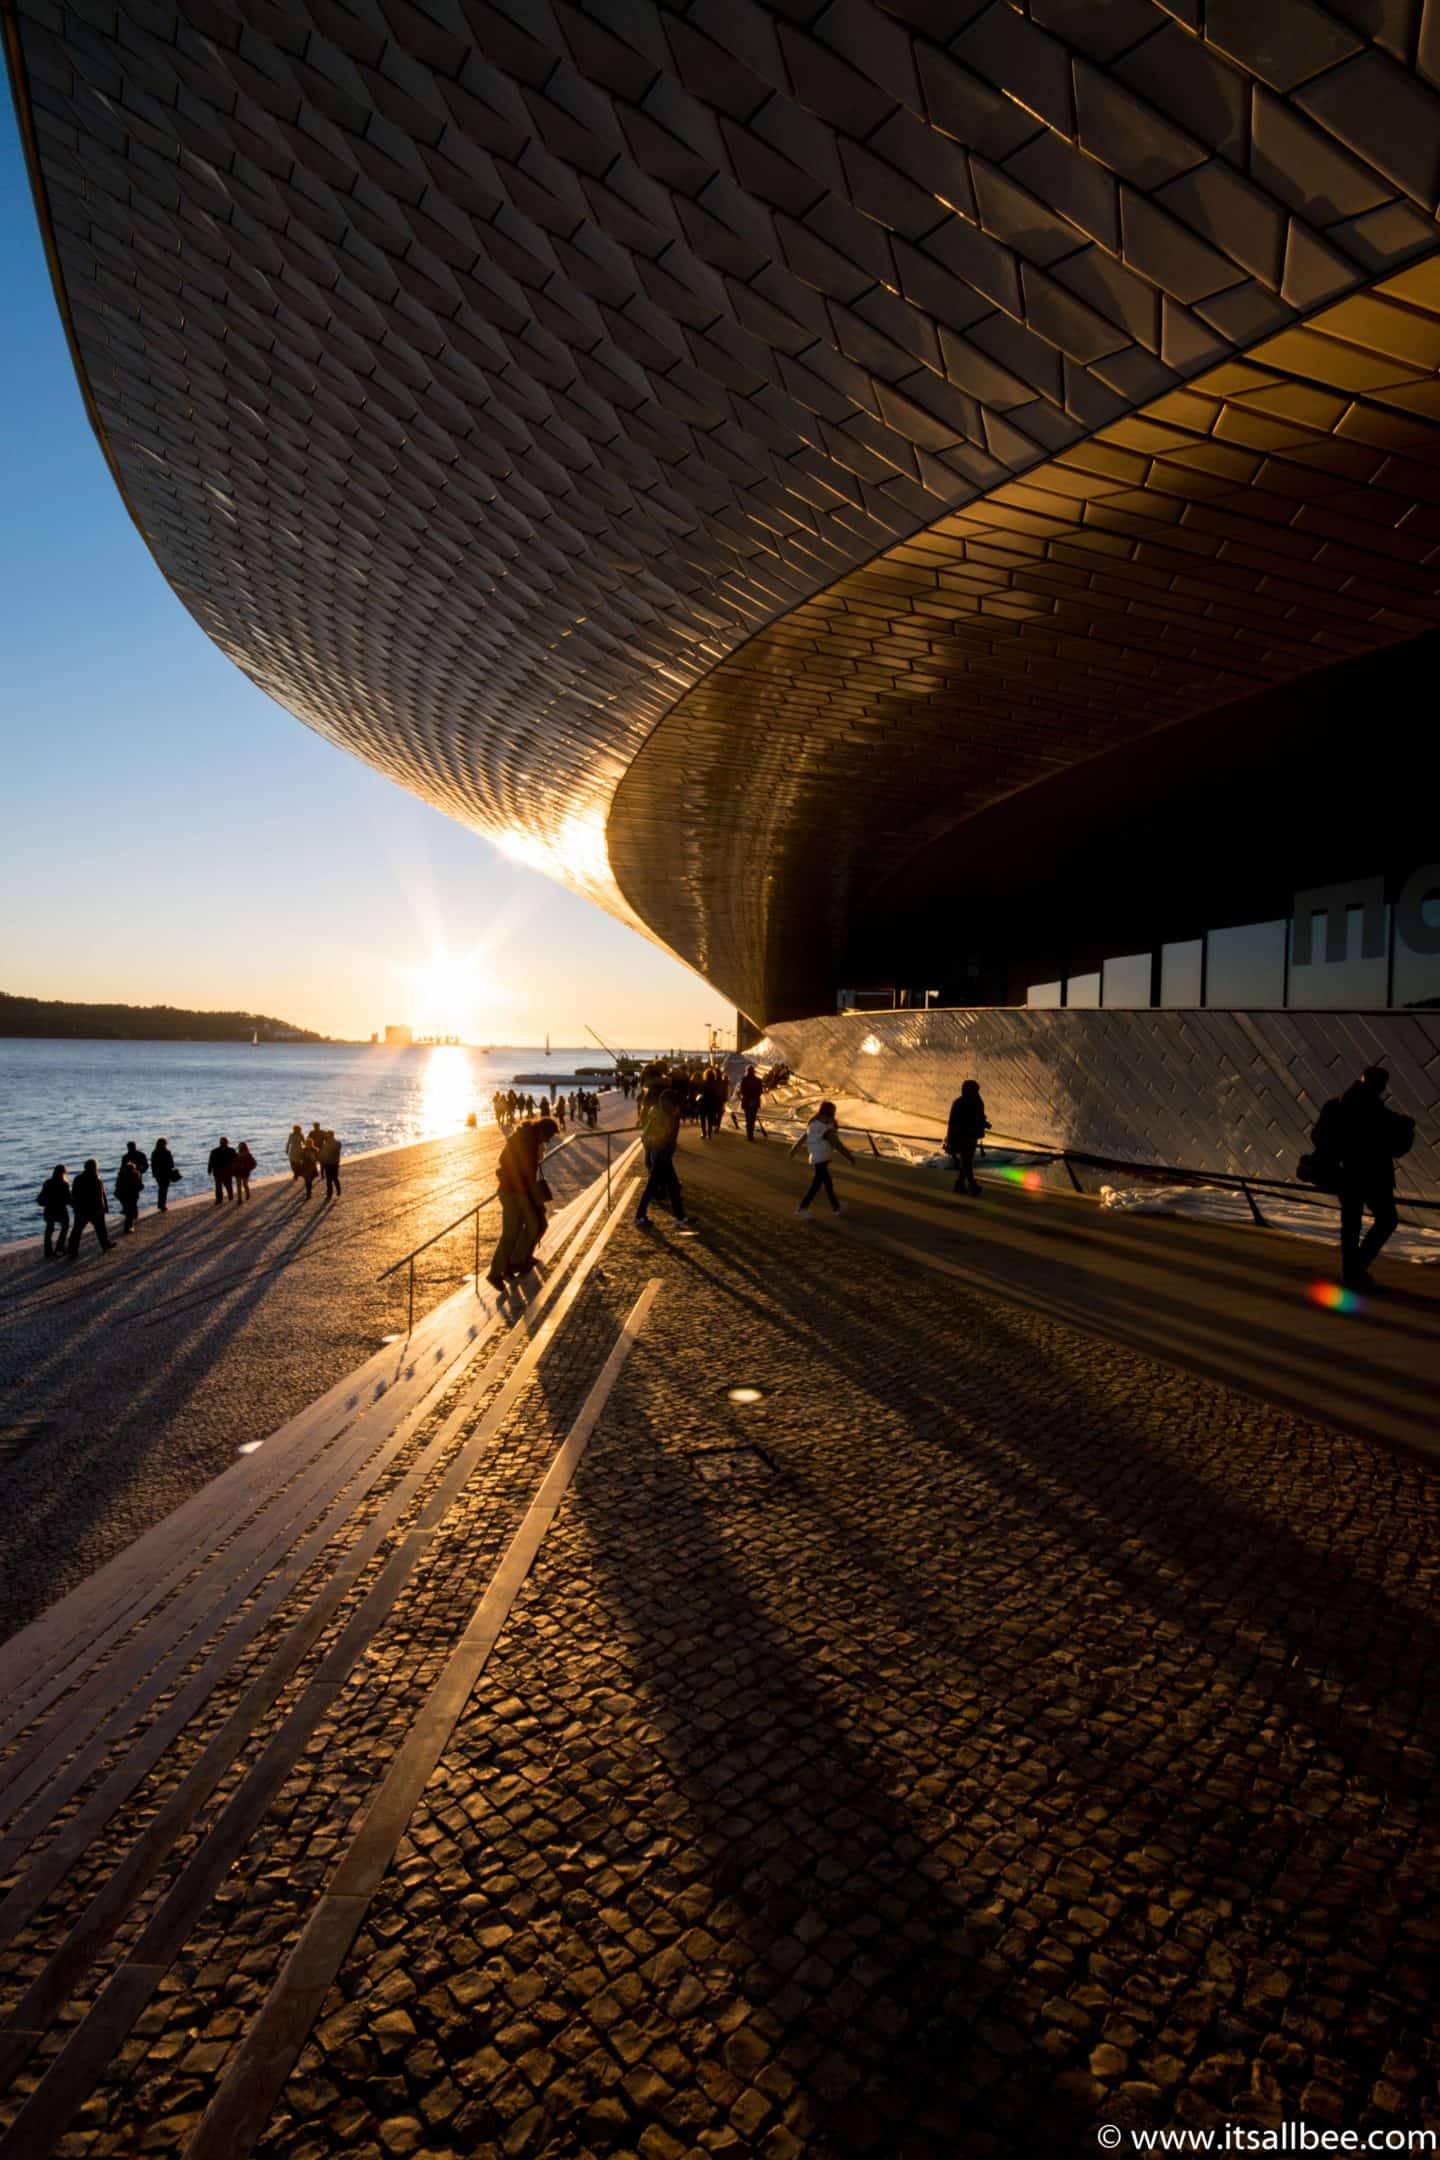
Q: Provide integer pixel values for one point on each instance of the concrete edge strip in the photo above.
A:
(227, 1498)
(73, 2074)
(27, 1896)
(237, 2115)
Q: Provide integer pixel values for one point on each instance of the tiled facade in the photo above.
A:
(1231, 1092)
(532, 393)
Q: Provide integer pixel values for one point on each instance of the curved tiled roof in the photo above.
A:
(485, 377)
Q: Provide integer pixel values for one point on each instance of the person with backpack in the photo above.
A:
(1360, 1138)
(660, 1136)
(822, 1137)
(91, 1205)
(967, 1128)
(294, 1149)
(128, 1187)
(523, 1196)
(164, 1170)
(1357, 1139)
(54, 1198)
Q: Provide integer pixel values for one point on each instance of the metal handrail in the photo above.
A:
(608, 1133)
(1307, 1195)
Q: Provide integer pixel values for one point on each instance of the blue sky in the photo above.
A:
(172, 835)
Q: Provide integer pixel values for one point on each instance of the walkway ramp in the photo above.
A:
(1239, 1305)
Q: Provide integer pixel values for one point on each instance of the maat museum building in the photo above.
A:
(930, 509)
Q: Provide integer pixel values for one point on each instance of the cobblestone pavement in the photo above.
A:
(987, 1732)
(1022, 1734)
(130, 1379)
(183, 1833)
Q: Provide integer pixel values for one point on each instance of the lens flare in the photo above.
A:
(1014, 1175)
(1334, 1297)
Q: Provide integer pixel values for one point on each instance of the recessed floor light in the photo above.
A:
(745, 1394)
(248, 1447)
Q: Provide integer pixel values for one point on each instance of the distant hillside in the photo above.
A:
(141, 1023)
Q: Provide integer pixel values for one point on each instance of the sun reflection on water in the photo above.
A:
(447, 1091)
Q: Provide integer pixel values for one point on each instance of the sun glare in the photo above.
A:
(451, 997)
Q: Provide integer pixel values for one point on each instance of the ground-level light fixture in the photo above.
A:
(745, 1394)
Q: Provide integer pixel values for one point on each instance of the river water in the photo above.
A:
(62, 1101)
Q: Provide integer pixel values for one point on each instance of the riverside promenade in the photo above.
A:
(131, 1378)
(780, 1693)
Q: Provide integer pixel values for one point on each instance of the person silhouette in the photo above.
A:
(221, 1167)
(967, 1127)
(90, 1206)
(128, 1184)
(54, 1198)
(1367, 1137)
(164, 1170)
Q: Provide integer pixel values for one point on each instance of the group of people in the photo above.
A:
(579, 1107)
(72, 1206)
(310, 1155)
(1356, 1141)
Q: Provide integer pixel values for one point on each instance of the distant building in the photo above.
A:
(399, 1038)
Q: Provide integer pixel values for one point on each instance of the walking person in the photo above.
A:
(221, 1167)
(294, 1149)
(1364, 1137)
(330, 1163)
(244, 1170)
(165, 1172)
(128, 1186)
(752, 1088)
(660, 1136)
(136, 1155)
(967, 1128)
(54, 1198)
(523, 1194)
(89, 1206)
(309, 1167)
(822, 1137)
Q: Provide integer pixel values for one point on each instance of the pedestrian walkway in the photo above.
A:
(131, 1379)
(1238, 1305)
(775, 1697)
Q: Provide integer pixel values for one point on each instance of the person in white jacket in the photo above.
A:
(822, 1138)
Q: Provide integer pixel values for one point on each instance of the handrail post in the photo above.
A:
(871, 1138)
(1254, 1210)
(1071, 1168)
(607, 1171)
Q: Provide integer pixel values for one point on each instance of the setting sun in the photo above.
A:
(451, 996)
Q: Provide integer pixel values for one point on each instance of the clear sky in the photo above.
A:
(173, 836)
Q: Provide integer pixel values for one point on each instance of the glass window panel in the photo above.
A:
(1127, 981)
(1082, 990)
(1352, 984)
(1182, 972)
(1043, 994)
(1417, 974)
(1245, 967)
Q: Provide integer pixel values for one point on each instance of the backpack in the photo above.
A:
(1401, 1132)
(1322, 1168)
